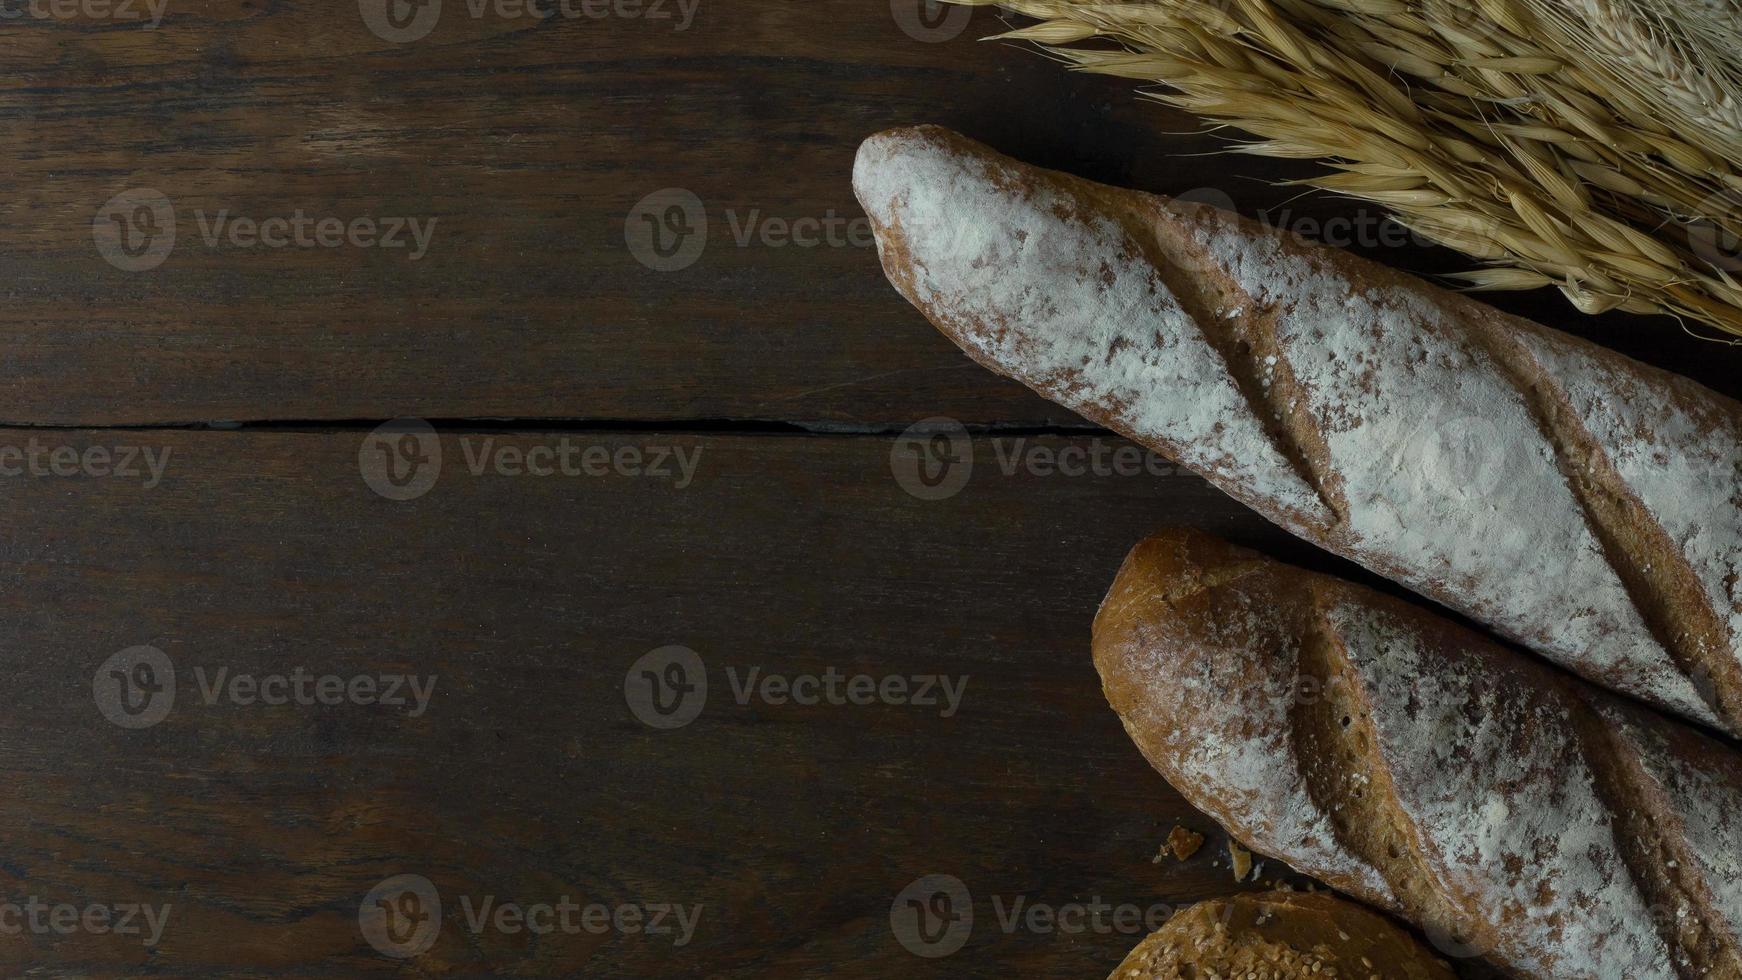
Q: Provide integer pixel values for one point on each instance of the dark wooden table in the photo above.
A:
(897, 674)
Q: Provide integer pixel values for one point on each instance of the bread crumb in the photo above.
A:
(1183, 843)
(1242, 860)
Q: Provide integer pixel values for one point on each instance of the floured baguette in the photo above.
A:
(1578, 502)
(1549, 826)
(1280, 936)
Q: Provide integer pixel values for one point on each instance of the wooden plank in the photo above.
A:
(527, 144)
(528, 777)
(523, 148)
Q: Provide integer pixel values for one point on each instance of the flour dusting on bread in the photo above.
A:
(1546, 825)
(1059, 296)
(1448, 477)
(1519, 476)
(1459, 726)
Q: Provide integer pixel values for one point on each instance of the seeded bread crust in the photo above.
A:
(1578, 502)
(1280, 936)
(1513, 812)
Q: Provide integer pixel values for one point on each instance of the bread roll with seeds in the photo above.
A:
(1576, 501)
(1280, 936)
(1507, 808)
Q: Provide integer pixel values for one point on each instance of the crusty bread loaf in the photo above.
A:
(1578, 502)
(1548, 825)
(1280, 936)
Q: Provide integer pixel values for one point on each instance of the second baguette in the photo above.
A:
(1510, 810)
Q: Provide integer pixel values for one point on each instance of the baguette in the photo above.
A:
(1280, 936)
(1512, 811)
(1578, 502)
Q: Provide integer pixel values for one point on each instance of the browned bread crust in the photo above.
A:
(1280, 936)
(1578, 502)
(1503, 806)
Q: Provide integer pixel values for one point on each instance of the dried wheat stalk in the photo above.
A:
(1679, 59)
(1584, 144)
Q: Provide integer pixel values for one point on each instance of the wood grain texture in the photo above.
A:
(528, 144)
(528, 777)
